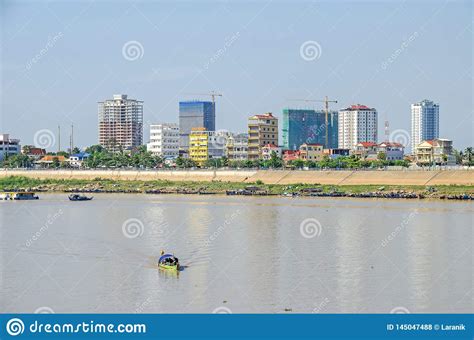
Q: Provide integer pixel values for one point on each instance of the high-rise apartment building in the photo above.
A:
(195, 114)
(424, 122)
(357, 123)
(302, 126)
(263, 130)
(120, 123)
(164, 140)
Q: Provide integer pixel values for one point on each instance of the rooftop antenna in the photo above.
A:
(387, 130)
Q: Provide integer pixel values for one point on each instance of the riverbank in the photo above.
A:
(283, 177)
(258, 188)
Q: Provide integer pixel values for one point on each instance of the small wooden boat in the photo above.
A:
(77, 197)
(168, 262)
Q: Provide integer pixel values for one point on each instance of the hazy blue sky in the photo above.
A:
(60, 58)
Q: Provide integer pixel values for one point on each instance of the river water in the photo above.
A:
(239, 254)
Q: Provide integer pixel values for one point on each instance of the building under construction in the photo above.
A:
(309, 126)
(120, 123)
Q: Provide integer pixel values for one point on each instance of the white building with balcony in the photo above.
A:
(164, 140)
(357, 123)
(8, 146)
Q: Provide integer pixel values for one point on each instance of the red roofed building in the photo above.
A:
(33, 152)
(366, 150)
(290, 155)
(268, 149)
(357, 123)
(393, 151)
(263, 130)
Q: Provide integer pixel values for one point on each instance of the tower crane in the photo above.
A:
(212, 94)
(326, 102)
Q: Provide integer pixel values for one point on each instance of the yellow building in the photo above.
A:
(198, 145)
(311, 152)
(263, 130)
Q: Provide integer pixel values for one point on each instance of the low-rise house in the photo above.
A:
(311, 152)
(48, 160)
(336, 153)
(290, 155)
(33, 152)
(8, 146)
(268, 149)
(393, 151)
(365, 150)
(436, 151)
(76, 160)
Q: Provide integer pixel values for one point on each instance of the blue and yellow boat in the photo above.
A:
(168, 262)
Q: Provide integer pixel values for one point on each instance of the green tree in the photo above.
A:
(275, 161)
(55, 163)
(17, 161)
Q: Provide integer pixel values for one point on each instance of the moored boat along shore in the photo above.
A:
(257, 188)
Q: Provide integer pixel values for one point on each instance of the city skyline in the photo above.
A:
(240, 51)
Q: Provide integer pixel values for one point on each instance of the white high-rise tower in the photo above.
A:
(424, 122)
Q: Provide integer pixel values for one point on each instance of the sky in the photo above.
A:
(58, 59)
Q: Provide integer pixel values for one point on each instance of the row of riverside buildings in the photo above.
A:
(352, 130)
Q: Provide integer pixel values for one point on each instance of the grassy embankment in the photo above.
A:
(109, 185)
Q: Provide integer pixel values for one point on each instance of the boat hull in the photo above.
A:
(167, 267)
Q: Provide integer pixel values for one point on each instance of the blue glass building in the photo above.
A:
(308, 126)
(195, 114)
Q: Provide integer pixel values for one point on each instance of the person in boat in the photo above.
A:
(168, 259)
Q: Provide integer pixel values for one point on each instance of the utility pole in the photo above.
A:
(72, 138)
(59, 138)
